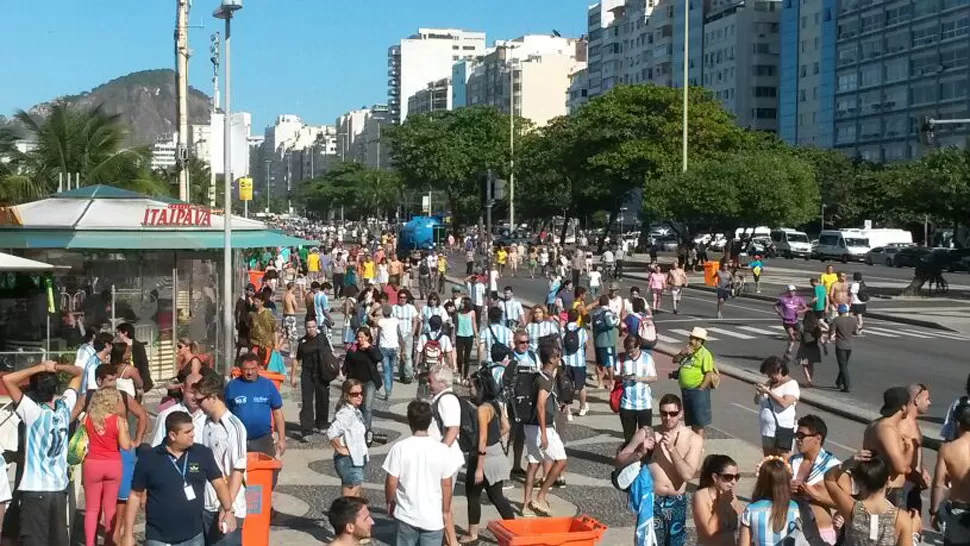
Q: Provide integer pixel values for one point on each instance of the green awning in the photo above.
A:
(144, 239)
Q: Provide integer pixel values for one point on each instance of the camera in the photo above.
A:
(674, 374)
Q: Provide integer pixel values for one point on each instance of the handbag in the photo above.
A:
(616, 395)
(77, 448)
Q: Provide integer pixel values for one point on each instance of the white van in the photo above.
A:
(791, 243)
(887, 236)
(844, 245)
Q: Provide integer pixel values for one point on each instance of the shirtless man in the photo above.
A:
(289, 317)
(952, 475)
(675, 460)
(809, 466)
(839, 293)
(884, 436)
(919, 479)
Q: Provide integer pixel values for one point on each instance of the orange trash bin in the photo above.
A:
(568, 531)
(259, 498)
(710, 272)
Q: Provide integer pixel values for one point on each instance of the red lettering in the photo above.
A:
(144, 220)
(162, 217)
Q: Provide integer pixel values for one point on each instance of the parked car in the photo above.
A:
(762, 246)
(844, 245)
(958, 259)
(884, 254)
(911, 256)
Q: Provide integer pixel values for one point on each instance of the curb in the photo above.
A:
(874, 315)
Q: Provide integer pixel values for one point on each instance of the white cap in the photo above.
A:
(791, 288)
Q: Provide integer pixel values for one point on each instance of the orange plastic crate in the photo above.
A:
(568, 531)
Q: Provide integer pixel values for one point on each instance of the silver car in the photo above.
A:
(884, 254)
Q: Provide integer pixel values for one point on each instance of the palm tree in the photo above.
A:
(88, 141)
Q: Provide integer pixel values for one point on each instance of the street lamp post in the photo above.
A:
(683, 163)
(511, 147)
(225, 11)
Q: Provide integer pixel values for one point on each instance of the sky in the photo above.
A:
(314, 58)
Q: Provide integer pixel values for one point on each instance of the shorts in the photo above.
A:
(820, 313)
(723, 294)
(790, 326)
(676, 291)
(289, 328)
(858, 309)
(606, 357)
(578, 376)
(697, 407)
(128, 459)
(350, 475)
(555, 450)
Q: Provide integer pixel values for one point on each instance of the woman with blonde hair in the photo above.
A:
(347, 434)
(102, 469)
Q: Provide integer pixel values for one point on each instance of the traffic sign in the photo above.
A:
(245, 189)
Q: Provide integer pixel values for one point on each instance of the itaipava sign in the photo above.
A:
(177, 215)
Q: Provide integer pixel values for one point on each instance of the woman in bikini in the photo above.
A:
(716, 507)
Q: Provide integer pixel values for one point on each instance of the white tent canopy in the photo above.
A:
(9, 262)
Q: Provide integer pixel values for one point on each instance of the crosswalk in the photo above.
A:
(718, 331)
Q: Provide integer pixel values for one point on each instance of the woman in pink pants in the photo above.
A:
(107, 433)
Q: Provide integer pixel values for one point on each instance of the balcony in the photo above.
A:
(393, 91)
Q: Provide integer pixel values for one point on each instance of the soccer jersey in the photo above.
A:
(46, 439)
(636, 395)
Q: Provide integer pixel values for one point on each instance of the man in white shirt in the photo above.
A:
(511, 309)
(188, 405)
(616, 301)
(446, 423)
(225, 435)
(391, 344)
(418, 487)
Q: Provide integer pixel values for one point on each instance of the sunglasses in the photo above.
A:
(730, 477)
(522, 342)
(669, 413)
(355, 393)
(803, 435)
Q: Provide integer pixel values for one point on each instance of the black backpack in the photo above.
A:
(520, 389)
(565, 390)
(863, 294)
(423, 269)
(467, 430)
(570, 341)
(360, 314)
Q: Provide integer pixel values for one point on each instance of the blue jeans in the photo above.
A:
(197, 540)
(407, 359)
(412, 536)
(214, 536)
(390, 361)
(367, 408)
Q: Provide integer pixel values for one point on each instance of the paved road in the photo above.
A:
(890, 353)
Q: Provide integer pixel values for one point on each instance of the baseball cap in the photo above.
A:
(843, 308)
(791, 288)
(893, 400)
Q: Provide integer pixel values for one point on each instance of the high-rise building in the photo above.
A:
(437, 96)
(800, 90)
(163, 152)
(895, 63)
(530, 73)
(426, 56)
(741, 57)
(369, 148)
(578, 89)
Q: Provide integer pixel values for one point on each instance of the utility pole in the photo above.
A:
(214, 52)
(511, 148)
(683, 165)
(182, 92)
(489, 202)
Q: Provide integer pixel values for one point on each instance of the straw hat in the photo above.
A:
(699, 333)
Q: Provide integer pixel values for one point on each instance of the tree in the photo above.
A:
(742, 190)
(72, 139)
(361, 191)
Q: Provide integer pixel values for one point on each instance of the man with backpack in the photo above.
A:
(605, 335)
(452, 417)
(574, 339)
(542, 439)
(517, 381)
(434, 347)
(640, 323)
(493, 333)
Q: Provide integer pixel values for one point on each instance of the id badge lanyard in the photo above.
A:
(189, 491)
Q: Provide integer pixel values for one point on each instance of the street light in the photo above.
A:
(225, 11)
(683, 162)
(511, 146)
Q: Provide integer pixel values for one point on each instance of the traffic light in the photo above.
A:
(927, 132)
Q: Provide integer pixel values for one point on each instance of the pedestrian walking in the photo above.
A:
(225, 435)
(788, 307)
(348, 437)
(362, 363)
(776, 400)
(418, 486)
(696, 376)
(844, 327)
(605, 327)
(772, 515)
(657, 282)
(465, 329)
(859, 298)
(574, 342)
(723, 281)
(391, 344)
(410, 326)
(677, 281)
(543, 442)
(809, 352)
(170, 482)
(107, 434)
(45, 417)
(318, 368)
(256, 401)
(715, 503)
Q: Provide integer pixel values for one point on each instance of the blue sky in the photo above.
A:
(313, 58)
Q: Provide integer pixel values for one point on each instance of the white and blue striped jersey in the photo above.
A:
(427, 312)
(511, 310)
(577, 359)
(637, 395)
(89, 380)
(527, 359)
(405, 313)
(503, 334)
(823, 462)
(476, 292)
(757, 517)
(84, 353)
(320, 304)
(45, 442)
(537, 330)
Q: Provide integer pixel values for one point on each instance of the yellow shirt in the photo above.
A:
(442, 264)
(313, 263)
(368, 270)
(827, 280)
(694, 367)
(500, 256)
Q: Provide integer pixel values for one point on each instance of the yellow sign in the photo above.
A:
(245, 189)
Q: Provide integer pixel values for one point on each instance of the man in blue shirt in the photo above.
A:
(257, 403)
(171, 478)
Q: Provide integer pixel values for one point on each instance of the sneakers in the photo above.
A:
(584, 410)
(559, 483)
(569, 415)
(719, 315)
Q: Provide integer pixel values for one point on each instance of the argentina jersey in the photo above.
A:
(45, 442)
(757, 517)
(636, 394)
(538, 330)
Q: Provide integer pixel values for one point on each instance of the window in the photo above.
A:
(847, 55)
(764, 113)
(870, 129)
(870, 102)
(848, 82)
(953, 89)
(848, 29)
(871, 22)
(922, 93)
(895, 98)
(895, 70)
(761, 48)
(801, 95)
(953, 29)
(815, 67)
(895, 126)
(925, 7)
(897, 42)
(923, 64)
(898, 14)
(925, 36)
(870, 49)
(764, 91)
(804, 21)
(951, 58)
(816, 43)
(870, 75)
(764, 70)
(845, 107)
(804, 71)
(843, 134)
(817, 17)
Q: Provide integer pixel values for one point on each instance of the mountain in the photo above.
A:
(145, 100)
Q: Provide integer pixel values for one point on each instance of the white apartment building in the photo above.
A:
(163, 152)
(349, 126)
(278, 168)
(368, 147)
(206, 142)
(530, 74)
(426, 56)
(578, 93)
(434, 98)
(741, 60)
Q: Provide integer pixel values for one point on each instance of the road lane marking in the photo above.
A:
(757, 330)
(745, 408)
(875, 330)
(685, 333)
(945, 335)
(729, 333)
(878, 333)
(667, 339)
(661, 320)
